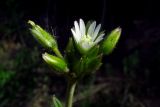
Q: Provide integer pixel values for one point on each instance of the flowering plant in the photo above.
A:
(83, 53)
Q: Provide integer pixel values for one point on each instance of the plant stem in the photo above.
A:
(57, 52)
(70, 92)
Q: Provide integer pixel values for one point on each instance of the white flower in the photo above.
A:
(86, 38)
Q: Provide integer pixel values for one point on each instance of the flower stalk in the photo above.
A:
(57, 52)
(70, 92)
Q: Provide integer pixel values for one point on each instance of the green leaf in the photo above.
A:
(56, 102)
(55, 63)
(42, 36)
(111, 41)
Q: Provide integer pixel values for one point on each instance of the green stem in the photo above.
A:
(70, 93)
(57, 52)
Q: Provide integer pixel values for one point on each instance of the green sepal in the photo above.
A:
(87, 65)
(80, 67)
(71, 53)
(55, 63)
(42, 36)
(93, 64)
(93, 52)
(69, 47)
(56, 102)
(81, 50)
(111, 41)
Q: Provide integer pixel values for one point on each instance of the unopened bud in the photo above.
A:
(43, 37)
(55, 63)
(111, 41)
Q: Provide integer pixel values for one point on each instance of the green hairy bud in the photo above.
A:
(111, 41)
(43, 37)
(55, 63)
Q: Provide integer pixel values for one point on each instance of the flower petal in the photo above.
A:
(77, 30)
(91, 29)
(99, 38)
(96, 32)
(75, 36)
(82, 27)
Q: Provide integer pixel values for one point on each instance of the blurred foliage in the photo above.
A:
(5, 77)
(16, 68)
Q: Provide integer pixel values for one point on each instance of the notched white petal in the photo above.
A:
(77, 30)
(96, 32)
(91, 28)
(75, 36)
(82, 27)
(99, 38)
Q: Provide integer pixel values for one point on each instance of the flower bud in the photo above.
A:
(111, 41)
(55, 63)
(43, 37)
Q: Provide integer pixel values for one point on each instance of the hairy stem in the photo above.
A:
(57, 52)
(70, 93)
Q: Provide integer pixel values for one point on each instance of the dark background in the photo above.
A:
(132, 70)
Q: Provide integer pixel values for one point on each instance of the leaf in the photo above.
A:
(56, 102)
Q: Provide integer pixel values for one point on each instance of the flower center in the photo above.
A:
(86, 39)
(86, 42)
